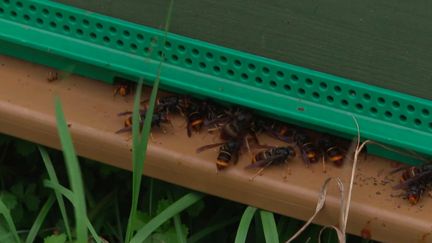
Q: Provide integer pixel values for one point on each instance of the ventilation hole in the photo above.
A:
(251, 67)
(352, 93)
(388, 114)
(39, 21)
(181, 48)
(113, 30)
(244, 76)
(6, 1)
(99, 26)
(93, 35)
(161, 54)
(373, 110)
(395, 104)
(66, 28)
(140, 37)
(19, 4)
(106, 39)
(287, 87)
(381, 100)
(323, 86)
(266, 70)
(418, 122)
(202, 65)
(410, 108)
(330, 99)
(216, 69)
(315, 95)
(72, 19)
(13, 13)
(195, 52)
(359, 107)
(32, 8)
(366, 97)
(126, 33)
(425, 112)
(403, 118)
(258, 80)
(147, 50)
(1, 10)
(26, 17)
(344, 102)
(59, 15)
(237, 63)
(86, 22)
(79, 31)
(294, 78)
(209, 56)
(273, 84)
(430, 125)
(223, 59)
(230, 72)
(133, 46)
(188, 61)
(168, 45)
(337, 89)
(53, 24)
(309, 82)
(301, 91)
(120, 43)
(280, 74)
(45, 11)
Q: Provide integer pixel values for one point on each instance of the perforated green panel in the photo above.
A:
(290, 92)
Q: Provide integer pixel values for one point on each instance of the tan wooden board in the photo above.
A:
(27, 111)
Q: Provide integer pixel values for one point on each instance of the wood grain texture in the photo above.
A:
(383, 43)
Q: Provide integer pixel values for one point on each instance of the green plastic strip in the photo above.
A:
(59, 35)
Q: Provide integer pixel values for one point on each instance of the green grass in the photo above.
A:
(74, 173)
(199, 219)
(269, 227)
(53, 177)
(40, 220)
(140, 141)
(9, 221)
(243, 228)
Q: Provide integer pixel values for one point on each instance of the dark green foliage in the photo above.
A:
(108, 192)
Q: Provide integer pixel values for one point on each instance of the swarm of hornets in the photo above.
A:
(238, 129)
(415, 181)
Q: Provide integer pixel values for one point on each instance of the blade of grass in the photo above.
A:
(74, 173)
(5, 235)
(137, 162)
(175, 208)
(140, 144)
(269, 227)
(245, 221)
(119, 224)
(181, 238)
(9, 221)
(69, 195)
(53, 177)
(40, 219)
(211, 229)
(140, 141)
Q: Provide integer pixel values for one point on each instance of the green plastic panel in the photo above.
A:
(300, 95)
